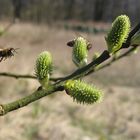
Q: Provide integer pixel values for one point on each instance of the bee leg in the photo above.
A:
(11, 55)
(89, 46)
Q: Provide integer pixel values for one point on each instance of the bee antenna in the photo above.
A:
(16, 49)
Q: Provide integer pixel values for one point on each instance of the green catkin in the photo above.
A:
(80, 52)
(43, 68)
(118, 33)
(82, 92)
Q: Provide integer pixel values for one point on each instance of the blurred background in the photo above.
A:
(38, 25)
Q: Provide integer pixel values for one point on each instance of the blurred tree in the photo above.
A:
(17, 5)
(54, 10)
(98, 9)
(69, 5)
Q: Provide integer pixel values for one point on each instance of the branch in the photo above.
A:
(40, 93)
(24, 76)
(82, 71)
(131, 34)
(58, 86)
(128, 52)
(17, 76)
(27, 76)
(125, 45)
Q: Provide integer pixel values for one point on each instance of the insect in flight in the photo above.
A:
(72, 42)
(7, 53)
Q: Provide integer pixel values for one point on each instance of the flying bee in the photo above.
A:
(72, 42)
(7, 53)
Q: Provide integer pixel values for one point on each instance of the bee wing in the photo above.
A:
(15, 50)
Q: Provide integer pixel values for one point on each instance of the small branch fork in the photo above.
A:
(59, 82)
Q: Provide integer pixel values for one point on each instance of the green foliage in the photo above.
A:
(80, 52)
(43, 68)
(82, 92)
(118, 33)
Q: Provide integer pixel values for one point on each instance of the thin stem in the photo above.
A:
(128, 52)
(17, 76)
(24, 76)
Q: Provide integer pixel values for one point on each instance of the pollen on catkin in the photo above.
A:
(80, 52)
(43, 68)
(82, 92)
(118, 33)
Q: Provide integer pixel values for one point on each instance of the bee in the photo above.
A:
(7, 53)
(72, 42)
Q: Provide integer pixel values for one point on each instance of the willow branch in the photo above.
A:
(24, 76)
(82, 71)
(40, 93)
(125, 45)
(58, 86)
(17, 76)
(131, 34)
(125, 54)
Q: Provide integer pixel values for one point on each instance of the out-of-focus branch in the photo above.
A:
(24, 76)
(5, 30)
(17, 76)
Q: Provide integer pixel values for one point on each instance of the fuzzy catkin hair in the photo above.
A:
(82, 92)
(43, 68)
(118, 33)
(80, 52)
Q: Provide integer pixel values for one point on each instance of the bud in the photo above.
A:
(80, 52)
(118, 33)
(43, 68)
(82, 92)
